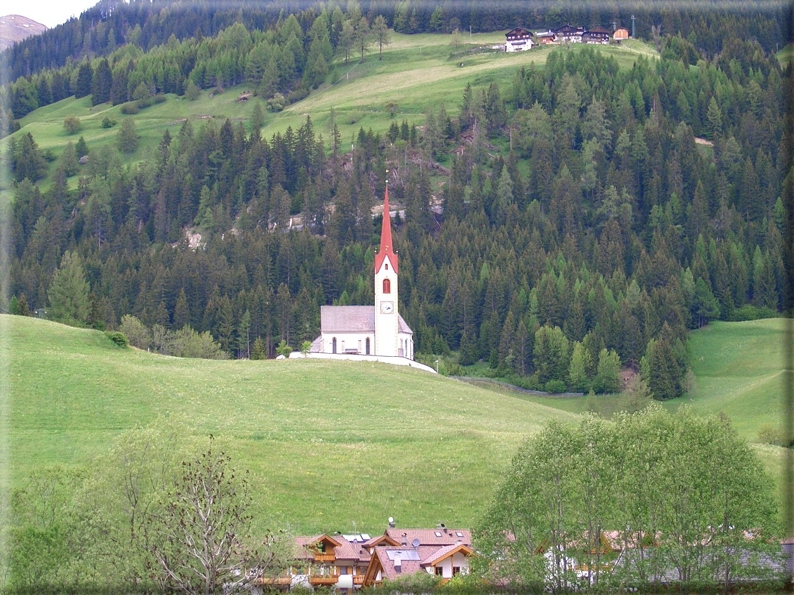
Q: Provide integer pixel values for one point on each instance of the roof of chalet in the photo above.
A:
(434, 537)
(343, 549)
(598, 30)
(568, 29)
(412, 559)
(519, 31)
(445, 552)
(353, 319)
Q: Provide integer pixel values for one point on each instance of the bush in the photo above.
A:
(770, 434)
(107, 122)
(297, 95)
(130, 109)
(72, 124)
(118, 338)
(555, 386)
(276, 103)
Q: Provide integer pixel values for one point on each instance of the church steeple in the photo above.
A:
(387, 319)
(386, 248)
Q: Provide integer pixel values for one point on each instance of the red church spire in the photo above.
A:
(385, 237)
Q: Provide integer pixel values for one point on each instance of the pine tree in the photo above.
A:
(84, 75)
(69, 293)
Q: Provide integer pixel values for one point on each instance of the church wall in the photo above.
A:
(345, 341)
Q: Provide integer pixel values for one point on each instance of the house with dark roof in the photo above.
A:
(596, 35)
(519, 40)
(568, 34)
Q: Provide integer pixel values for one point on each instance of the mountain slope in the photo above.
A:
(14, 28)
(330, 442)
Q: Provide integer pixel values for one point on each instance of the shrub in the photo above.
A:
(283, 348)
(276, 103)
(72, 124)
(139, 335)
(555, 386)
(770, 434)
(297, 95)
(107, 122)
(118, 338)
(129, 109)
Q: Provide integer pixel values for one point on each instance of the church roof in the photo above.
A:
(386, 247)
(353, 319)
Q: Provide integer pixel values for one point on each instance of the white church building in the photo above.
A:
(376, 330)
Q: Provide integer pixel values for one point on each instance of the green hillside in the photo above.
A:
(419, 447)
(417, 73)
(332, 443)
(738, 371)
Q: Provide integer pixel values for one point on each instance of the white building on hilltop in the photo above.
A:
(377, 330)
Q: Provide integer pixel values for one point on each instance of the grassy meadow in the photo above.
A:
(331, 444)
(416, 73)
(738, 372)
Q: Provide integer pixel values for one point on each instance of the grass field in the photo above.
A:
(417, 73)
(738, 371)
(331, 443)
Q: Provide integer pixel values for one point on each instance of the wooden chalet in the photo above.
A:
(568, 34)
(596, 35)
(349, 562)
(442, 552)
(518, 40)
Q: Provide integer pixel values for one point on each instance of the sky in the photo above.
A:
(46, 12)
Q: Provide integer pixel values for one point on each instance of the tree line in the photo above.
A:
(591, 215)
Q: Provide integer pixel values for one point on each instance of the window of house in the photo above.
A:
(455, 570)
(439, 571)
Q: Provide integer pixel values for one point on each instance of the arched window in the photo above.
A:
(333, 345)
(367, 346)
(386, 286)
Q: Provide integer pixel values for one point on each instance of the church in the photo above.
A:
(377, 330)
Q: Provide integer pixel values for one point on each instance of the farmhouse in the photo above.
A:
(370, 330)
(349, 562)
(568, 34)
(518, 40)
(596, 35)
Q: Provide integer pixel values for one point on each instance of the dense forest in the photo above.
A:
(588, 218)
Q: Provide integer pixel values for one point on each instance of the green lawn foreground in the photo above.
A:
(328, 444)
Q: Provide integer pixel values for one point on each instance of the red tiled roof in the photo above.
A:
(430, 536)
(386, 246)
(444, 552)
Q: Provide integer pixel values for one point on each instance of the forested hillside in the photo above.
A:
(583, 216)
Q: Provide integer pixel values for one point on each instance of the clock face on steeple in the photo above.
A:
(387, 307)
